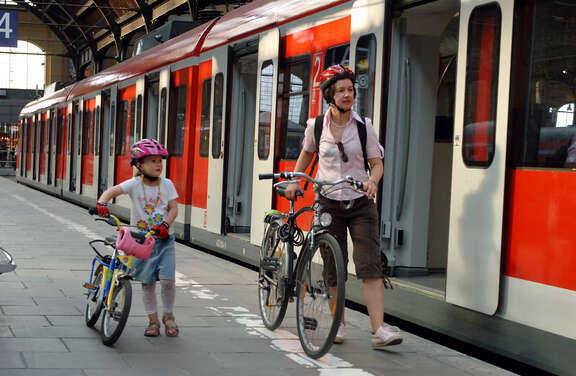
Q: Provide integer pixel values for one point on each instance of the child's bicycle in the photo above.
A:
(109, 287)
(319, 303)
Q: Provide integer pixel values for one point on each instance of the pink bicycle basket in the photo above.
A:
(125, 242)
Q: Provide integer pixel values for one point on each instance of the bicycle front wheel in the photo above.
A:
(116, 316)
(272, 289)
(320, 295)
(94, 301)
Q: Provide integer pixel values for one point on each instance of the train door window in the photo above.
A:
(336, 55)
(481, 85)
(112, 127)
(121, 127)
(265, 109)
(543, 85)
(177, 125)
(59, 130)
(162, 120)
(139, 126)
(151, 114)
(86, 130)
(365, 70)
(218, 108)
(132, 121)
(97, 130)
(205, 118)
(294, 86)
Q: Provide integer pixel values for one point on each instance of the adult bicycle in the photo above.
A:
(109, 288)
(315, 277)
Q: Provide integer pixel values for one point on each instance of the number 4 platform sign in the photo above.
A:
(8, 29)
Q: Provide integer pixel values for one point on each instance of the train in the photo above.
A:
(473, 101)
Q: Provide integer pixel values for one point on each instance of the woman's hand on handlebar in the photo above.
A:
(291, 190)
(370, 188)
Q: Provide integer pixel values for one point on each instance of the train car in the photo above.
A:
(473, 101)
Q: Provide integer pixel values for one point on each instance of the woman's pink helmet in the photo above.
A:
(146, 147)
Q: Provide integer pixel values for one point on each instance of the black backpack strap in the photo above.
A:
(362, 133)
(318, 126)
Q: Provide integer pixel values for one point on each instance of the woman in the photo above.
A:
(340, 154)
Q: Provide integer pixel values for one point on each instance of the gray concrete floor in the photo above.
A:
(42, 330)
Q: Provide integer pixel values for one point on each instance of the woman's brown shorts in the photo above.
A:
(361, 219)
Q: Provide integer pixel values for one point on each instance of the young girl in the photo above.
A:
(154, 206)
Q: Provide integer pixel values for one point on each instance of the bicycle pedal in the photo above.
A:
(89, 286)
(310, 323)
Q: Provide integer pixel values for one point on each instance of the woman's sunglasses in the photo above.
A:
(342, 153)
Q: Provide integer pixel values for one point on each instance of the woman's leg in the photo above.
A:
(373, 292)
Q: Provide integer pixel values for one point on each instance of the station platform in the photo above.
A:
(42, 330)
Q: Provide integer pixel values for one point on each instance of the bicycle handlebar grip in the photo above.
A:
(265, 176)
(92, 211)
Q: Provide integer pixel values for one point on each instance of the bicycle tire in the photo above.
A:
(273, 299)
(119, 312)
(94, 301)
(317, 319)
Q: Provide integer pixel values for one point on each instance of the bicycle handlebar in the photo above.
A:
(112, 220)
(357, 184)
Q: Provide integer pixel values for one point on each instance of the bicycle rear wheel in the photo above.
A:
(272, 289)
(318, 313)
(94, 301)
(115, 318)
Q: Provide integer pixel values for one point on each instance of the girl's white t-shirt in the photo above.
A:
(149, 203)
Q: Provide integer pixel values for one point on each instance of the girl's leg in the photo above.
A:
(168, 295)
(151, 307)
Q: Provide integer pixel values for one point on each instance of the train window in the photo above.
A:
(132, 121)
(265, 109)
(205, 118)
(162, 128)
(365, 70)
(138, 118)
(218, 108)
(121, 127)
(337, 55)
(293, 84)
(86, 132)
(481, 85)
(543, 86)
(177, 125)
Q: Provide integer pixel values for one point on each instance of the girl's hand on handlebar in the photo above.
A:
(291, 190)
(161, 231)
(370, 188)
(103, 210)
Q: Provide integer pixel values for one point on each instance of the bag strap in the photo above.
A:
(363, 136)
(318, 126)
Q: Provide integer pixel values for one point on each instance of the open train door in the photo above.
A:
(265, 125)
(479, 158)
(216, 139)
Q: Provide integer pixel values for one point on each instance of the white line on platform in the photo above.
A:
(71, 225)
(281, 340)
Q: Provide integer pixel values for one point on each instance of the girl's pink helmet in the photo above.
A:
(146, 147)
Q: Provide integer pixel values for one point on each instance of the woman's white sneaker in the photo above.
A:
(340, 334)
(386, 337)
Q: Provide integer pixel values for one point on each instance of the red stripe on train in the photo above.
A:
(541, 240)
